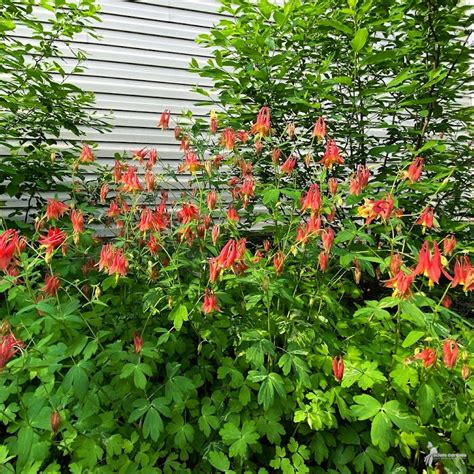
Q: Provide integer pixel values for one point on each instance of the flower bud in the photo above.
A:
(465, 372)
(55, 421)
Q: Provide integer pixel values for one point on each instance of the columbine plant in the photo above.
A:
(241, 320)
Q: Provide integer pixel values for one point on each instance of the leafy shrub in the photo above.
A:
(391, 76)
(37, 101)
(191, 341)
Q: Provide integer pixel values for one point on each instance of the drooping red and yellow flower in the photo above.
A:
(113, 261)
(247, 191)
(332, 156)
(449, 243)
(8, 246)
(338, 368)
(288, 166)
(140, 155)
(426, 218)
(228, 255)
(278, 262)
(211, 200)
(55, 238)
(401, 284)
(414, 170)
(130, 181)
(262, 126)
(311, 200)
(232, 214)
(149, 180)
(395, 263)
(86, 155)
(327, 237)
(137, 342)
(152, 155)
(428, 356)
(191, 163)
(104, 190)
(463, 274)
(430, 265)
(228, 139)
(210, 302)
(359, 180)
(164, 121)
(323, 261)
(9, 346)
(55, 209)
(51, 285)
(276, 153)
(332, 186)
(188, 213)
(319, 130)
(450, 353)
(216, 230)
(382, 208)
(77, 220)
(213, 122)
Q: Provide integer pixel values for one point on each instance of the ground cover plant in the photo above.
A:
(244, 324)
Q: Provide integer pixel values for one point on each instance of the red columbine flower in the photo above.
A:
(338, 368)
(210, 302)
(414, 170)
(130, 181)
(228, 254)
(327, 238)
(104, 190)
(53, 239)
(288, 165)
(114, 209)
(450, 353)
(312, 200)
(211, 200)
(278, 262)
(449, 243)
(372, 209)
(8, 246)
(447, 302)
(401, 284)
(248, 187)
(9, 346)
(213, 122)
(55, 421)
(118, 171)
(426, 218)
(140, 155)
(214, 270)
(164, 121)
(333, 185)
(323, 260)
(262, 126)
(216, 230)
(319, 130)
(191, 162)
(149, 181)
(332, 155)
(228, 139)
(86, 155)
(146, 220)
(106, 257)
(430, 265)
(119, 264)
(463, 274)
(359, 180)
(137, 342)
(395, 263)
(55, 209)
(51, 285)
(232, 214)
(428, 356)
(188, 213)
(152, 155)
(276, 153)
(77, 220)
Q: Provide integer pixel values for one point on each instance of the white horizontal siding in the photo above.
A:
(137, 68)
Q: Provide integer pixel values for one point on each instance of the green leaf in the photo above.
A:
(152, 425)
(412, 337)
(359, 40)
(380, 431)
(399, 415)
(425, 401)
(367, 407)
(239, 440)
(25, 444)
(208, 420)
(413, 313)
(178, 316)
(219, 460)
(270, 197)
